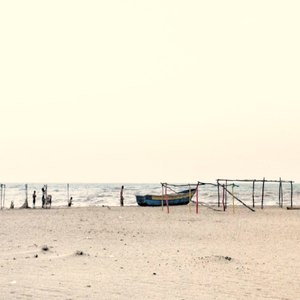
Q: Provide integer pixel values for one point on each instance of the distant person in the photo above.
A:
(43, 196)
(70, 202)
(122, 196)
(33, 199)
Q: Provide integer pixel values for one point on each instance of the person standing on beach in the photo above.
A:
(121, 196)
(43, 196)
(33, 199)
(70, 202)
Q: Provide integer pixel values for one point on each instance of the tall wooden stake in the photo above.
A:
(218, 193)
(1, 203)
(162, 198)
(3, 200)
(263, 193)
(279, 193)
(253, 194)
(167, 200)
(26, 195)
(190, 196)
(233, 208)
(291, 194)
(197, 201)
(226, 184)
(223, 198)
(68, 193)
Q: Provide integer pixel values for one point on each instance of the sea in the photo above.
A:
(108, 194)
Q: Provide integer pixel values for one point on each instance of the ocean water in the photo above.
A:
(102, 194)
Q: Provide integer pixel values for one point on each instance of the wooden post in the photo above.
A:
(166, 199)
(190, 198)
(162, 196)
(233, 208)
(26, 196)
(263, 193)
(197, 201)
(3, 200)
(279, 193)
(223, 198)
(218, 193)
(1, 203)
(280, 197)
(226, 185)
(68, 193)
(253, 194)
(291, 194)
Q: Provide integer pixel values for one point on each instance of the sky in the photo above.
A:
(149, 91)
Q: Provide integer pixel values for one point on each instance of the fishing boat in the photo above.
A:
(180, 198)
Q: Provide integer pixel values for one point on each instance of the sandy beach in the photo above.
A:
(145, 253)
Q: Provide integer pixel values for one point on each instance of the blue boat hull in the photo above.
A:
(181, 198)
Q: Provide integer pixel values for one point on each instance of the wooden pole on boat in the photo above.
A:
(197, 200)
(263, 193)
(253, 193)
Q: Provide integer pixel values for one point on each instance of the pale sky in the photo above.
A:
(149, 91)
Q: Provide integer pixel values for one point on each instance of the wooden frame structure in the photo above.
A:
(166, 186)
(224, 183)
(225, 193)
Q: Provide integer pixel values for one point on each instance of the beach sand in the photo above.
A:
(145, 253)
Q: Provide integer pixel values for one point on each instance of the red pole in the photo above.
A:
(197, 203)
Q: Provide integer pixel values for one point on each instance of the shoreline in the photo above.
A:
(192, 205)
(102, 194)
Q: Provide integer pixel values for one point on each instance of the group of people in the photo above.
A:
(70, 202)
(46, 199)
(44, 196)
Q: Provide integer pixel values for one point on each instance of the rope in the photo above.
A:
(168, 186)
